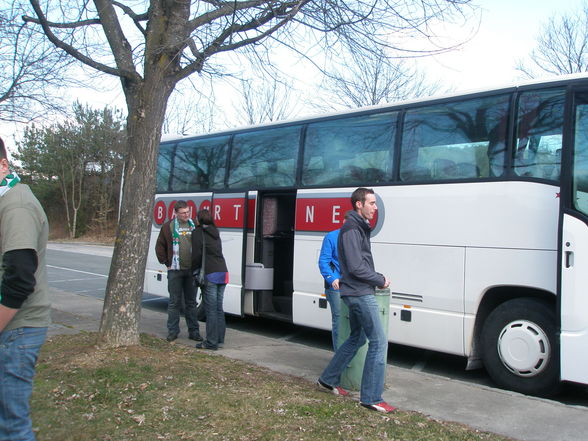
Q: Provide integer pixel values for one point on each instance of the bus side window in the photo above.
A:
(313, 170)
(196, 164)
(165, 167)
(537, 152)
(455, 140)
(580, 158)
(350, 150)
(265, 158)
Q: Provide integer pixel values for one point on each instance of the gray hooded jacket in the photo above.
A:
(358, 275)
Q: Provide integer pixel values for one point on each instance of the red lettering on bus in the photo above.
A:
(205, 205)
(170, 210)
(323, 214)
(159, 213)
(163, 209)
(192, 207)
(229, 212)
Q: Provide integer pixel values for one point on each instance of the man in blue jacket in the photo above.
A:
(329, 267)
(357, 288)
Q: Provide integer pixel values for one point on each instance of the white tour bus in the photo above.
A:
(482, 221)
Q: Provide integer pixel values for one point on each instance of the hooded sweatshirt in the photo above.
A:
(358, 275)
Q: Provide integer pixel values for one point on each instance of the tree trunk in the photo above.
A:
(122, 304)
(64, 195)
(74, 223)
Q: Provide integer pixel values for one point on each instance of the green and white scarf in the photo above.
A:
(8, 182)
(175, 264)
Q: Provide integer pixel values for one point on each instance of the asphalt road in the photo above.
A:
(83, 269)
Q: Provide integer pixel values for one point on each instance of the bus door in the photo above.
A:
(269, 274)
(229, 211)
(574, 246)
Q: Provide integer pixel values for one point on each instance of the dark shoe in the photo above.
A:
(337, 390)
(195, 337)
(380, 407)
(171, 337)
(203, 346)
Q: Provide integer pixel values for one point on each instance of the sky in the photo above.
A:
(507, 32)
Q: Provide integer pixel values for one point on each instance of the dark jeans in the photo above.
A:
(334, 299)
(19, 350)
(215, 316)
(181, 285)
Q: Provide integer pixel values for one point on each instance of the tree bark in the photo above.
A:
(122, 304)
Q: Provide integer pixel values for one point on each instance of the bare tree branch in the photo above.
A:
(47, 29)
(31, 71)
(562, 47)
(371, 79)
(121, 49)
(264, 101)
(77, 24)
(137, 18)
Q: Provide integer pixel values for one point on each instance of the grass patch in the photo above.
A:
(159, 391)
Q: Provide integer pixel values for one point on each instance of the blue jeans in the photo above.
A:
(215, 316)
(364, 315)
(19, 350)
(334, 300)
(180, 284)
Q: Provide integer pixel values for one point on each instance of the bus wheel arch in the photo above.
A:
(493, 298)
(519, 345)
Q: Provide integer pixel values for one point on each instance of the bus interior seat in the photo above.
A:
(270, 216)
(251, 181)
(416, 174)
(314, 171)
(353, 173)
(375, 175)
(467, 170)
(444, 168)
(313, 176)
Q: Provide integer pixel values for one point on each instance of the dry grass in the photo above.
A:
(98, 239)
(159, 391)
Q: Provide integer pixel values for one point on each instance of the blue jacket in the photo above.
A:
(329, 259)
(358, 275)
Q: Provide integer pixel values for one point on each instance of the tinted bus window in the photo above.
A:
(461, 140)
(537, 152)
(350, 151)
(198, 165)
(265, 159)
(164, 167)
(580, 158)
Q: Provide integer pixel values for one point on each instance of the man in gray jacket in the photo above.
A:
(357, 287)
(24, 299)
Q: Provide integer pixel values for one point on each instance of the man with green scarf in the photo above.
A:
(24, 299)
(174, 250)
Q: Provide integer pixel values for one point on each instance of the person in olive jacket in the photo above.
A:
(216, 277)
(173, 250)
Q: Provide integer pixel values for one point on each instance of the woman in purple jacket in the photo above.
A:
(216, 277)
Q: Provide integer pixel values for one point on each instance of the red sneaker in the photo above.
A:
(380, 407)
(337, 390)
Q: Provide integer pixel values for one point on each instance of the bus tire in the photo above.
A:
(520, 348)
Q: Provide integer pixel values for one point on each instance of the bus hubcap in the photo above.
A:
(523, 348)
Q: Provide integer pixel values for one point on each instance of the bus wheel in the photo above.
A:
(521, 352)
